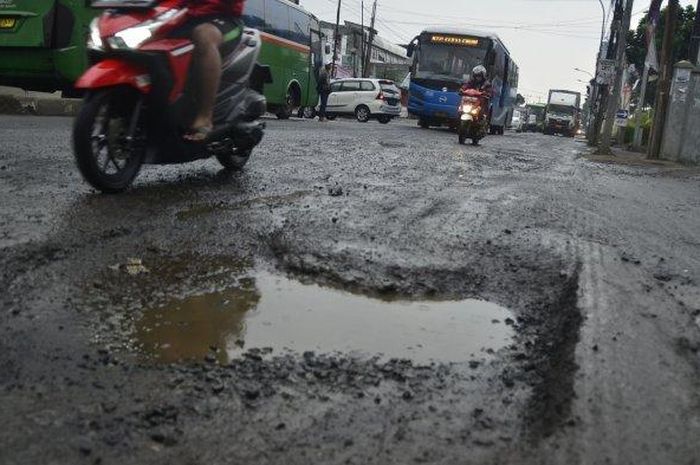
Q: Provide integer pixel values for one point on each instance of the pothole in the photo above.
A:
(267, 311)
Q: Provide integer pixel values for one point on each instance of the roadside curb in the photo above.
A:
(11, 105)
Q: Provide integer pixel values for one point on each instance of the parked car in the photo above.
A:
(517, 121)
(366, 99)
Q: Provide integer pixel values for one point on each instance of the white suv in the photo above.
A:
(365, 98)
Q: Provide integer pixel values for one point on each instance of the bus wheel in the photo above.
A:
(291, 101)
(423, 123)
(309, 113)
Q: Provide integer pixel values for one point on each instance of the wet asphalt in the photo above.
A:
(597, 264)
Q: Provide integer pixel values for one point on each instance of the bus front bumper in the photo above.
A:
(434, 111)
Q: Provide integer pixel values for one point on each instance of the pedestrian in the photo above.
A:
(324, 90)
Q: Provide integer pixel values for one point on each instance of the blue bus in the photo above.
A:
(442, 61)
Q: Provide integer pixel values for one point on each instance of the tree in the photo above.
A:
(637, 42)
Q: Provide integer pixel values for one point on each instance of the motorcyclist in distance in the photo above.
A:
(210, 24)
(478, 81)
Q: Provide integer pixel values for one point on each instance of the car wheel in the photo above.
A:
(362, 114)
(384, 119)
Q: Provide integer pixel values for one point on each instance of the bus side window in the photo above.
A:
(277, 19)
(254, 14)
(300, 26)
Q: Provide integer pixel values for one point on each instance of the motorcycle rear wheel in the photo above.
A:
(234, 160)
(108, 157)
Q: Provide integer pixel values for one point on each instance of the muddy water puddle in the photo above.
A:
(269, 311)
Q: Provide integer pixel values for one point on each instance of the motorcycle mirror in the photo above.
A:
(490, 58)
(410, 49)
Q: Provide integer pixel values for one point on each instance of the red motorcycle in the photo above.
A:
(139, 99)
(473, 119)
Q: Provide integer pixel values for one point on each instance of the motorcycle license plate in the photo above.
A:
(7, 23)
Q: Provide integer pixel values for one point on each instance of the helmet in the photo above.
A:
(479, 72)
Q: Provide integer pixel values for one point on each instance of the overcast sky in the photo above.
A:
(547, 38)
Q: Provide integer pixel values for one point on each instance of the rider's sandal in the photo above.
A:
(198, 134)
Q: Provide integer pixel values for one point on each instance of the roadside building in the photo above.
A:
(387, 60)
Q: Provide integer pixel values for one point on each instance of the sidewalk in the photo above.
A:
(17, 102)
(622, 156)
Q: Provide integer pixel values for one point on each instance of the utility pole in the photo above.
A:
(695, 39)
(593, 95)
(602, 87)
(362, 44)
(638, 129)
(614, 101)
(593, 127)
(650, 62)
(368, 58)
(334, 71)
(664, 86)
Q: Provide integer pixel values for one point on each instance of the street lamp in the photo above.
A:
(584, 71)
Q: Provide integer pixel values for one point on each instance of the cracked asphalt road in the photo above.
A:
(599, 264)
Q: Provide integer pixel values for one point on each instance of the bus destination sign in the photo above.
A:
(464, 41)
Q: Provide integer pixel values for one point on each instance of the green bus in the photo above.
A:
(42, 47)
(42, 43)
(293, 48)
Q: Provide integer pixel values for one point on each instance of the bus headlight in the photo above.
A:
(95, 40)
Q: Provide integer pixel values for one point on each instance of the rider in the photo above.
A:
(478, 81)
(210, 23)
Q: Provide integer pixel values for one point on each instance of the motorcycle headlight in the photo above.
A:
(467, 108)
(95, 40)
(134, 37)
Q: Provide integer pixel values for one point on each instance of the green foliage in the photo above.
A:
(637, 46)
(637, 42)
(645, 119)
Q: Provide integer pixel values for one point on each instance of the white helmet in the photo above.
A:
(479, 71)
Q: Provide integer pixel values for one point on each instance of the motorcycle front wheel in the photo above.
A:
(106, 139)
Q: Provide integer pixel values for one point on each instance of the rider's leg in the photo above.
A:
(207, 39)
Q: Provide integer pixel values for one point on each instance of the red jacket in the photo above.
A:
(215, 7)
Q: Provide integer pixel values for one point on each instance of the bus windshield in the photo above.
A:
(446, 63)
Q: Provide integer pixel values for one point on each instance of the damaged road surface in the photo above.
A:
(403, 300)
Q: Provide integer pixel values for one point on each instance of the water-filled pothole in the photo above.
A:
(268, 311)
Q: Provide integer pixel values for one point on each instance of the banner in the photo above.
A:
(652, 59)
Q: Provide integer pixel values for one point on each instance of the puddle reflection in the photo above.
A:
(283, 314)
(194, 327)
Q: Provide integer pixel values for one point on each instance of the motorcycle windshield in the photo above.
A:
(124, 3)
